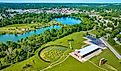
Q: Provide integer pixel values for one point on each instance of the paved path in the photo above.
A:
(111, 48)
(50, 66)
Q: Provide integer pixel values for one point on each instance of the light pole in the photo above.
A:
(70, 43)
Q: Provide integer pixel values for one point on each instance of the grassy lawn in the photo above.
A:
(76, 44)
(17, 28)
(111, 60)
(35, 61)
(72, 64)
(65, 62)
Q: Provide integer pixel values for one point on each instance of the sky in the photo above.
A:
(60, 1)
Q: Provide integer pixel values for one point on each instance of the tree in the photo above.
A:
(110, 25)
(3, 47)
(2, 54)
(119, 37)
(111, 41)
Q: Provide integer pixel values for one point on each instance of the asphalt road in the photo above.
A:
(111, 48)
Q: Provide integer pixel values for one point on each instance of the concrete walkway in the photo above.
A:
(111, 48)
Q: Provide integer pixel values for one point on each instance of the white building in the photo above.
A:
(86, 53)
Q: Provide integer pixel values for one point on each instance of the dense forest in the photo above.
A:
(28, 18)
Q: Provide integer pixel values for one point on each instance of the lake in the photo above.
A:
(63, 20)
(68, 20)
(13, 37)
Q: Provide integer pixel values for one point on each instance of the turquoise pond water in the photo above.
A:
(13, 37)
(63, 20)
(68, 20)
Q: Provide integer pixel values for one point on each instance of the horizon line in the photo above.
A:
(62, 2)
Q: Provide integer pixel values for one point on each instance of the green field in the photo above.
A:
(22, 28)
(18, 28)
(111, 60)
(66, 62)
(72, 64)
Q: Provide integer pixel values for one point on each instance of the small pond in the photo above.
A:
(68, 20)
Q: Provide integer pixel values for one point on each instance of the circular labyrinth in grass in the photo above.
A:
(52, 53)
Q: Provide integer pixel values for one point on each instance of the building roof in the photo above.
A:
(88, 49)
(96, 41)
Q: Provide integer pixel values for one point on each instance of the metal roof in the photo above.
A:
(88, 49)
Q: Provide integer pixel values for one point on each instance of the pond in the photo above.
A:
(63, 20)
(68, 20)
